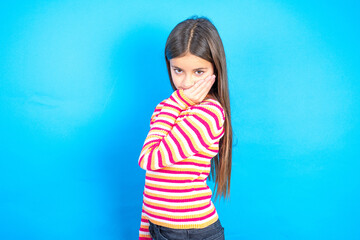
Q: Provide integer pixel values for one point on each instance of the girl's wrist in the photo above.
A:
(181, 99)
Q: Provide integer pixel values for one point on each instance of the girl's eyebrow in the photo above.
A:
(193, 69)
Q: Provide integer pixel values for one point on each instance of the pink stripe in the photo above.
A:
(160, 159)
(183, 220)
(175, 190)
(219, 107)
(199, 137)
(172, 106)
(187, 138)
(173, 180)
(178, 210)
(172, 98)
(194, 163)
(178, 146)
(164, 121)
(214, 116)
(213, 150)
(202, 155)
(179, 172)
(178, 200)
(197, 131)
(150, 159)
(182, 99)
(141, 160)
(169, 114)
(207, 126)
(158, 128)
(149, 142)
(171, 159)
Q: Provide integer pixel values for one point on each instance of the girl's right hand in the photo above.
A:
(199, 90)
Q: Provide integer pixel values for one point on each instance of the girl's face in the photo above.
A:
(187, 70)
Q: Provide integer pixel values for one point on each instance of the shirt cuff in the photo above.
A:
(181, 99)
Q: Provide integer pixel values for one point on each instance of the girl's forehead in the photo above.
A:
(189, 61)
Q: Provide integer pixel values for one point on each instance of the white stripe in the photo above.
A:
(210, 118)
(172, 194)
(173, 147)
(211, 153)
(163, 126)
(165, 158)
(179, 214)
(145, 158)
(180, 185)
(179, 136)
(189, 166)
(180, 174)
(170, 111)
(203, 175)
(200, 128)
(155, 134)
(178, 101)
(177, 204)
(204, 131)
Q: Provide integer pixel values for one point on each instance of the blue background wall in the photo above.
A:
(79, 81)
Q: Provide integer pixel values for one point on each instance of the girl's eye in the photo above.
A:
(179, 71)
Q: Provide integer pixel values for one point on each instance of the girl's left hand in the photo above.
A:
(199, 90)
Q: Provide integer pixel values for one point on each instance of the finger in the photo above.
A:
(207, 86)
(198, 86)
(202, 90)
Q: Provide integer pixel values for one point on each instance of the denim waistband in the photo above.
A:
(214, 225)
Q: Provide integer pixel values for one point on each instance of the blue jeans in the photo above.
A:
(212, 232)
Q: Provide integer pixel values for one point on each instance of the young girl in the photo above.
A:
(189, 132)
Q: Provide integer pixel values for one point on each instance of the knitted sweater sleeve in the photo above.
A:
(170, 141)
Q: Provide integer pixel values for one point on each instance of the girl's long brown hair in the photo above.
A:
(200, 37)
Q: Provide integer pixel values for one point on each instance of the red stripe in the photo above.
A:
(214, 116)
(182, 99)
(171, 159)
(174, 180)
(178, 200)
(160, 159)
(197, 132)
(182, 220)
(172, 106)
(163, 121)
(152, 141)
(178, 210)
(178, 146)
(149, 159)
(175, 190)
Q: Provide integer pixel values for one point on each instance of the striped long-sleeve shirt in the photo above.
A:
(176, 155)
